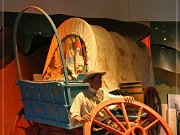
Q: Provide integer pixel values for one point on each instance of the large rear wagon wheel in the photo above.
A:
(144, 118)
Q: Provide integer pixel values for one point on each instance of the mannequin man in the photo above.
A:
(85, 101)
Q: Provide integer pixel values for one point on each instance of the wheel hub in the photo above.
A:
(136, 130)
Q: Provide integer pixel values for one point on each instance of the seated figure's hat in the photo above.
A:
(92, 73)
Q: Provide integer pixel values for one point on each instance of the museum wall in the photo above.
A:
(123, 10)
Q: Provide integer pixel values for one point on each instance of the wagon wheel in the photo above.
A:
(127, 126)
(152, 99)
(24, 127)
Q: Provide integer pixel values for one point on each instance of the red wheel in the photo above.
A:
(152, 99)
(24, 127)
(144, 118)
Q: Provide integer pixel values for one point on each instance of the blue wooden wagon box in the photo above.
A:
(49, 102)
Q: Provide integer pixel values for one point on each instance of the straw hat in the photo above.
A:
(92, 73)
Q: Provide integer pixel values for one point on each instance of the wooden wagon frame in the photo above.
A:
(46, 104)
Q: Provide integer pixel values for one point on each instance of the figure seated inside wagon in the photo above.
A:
(74, 56)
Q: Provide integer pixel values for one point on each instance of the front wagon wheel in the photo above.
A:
(136, 118)
(24, 127)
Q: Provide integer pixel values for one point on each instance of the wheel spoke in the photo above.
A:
(151, 124)
(139, 115)
(115, 131)
(115, 119)
(30, 123)
(125, 115)
(143, 122)
(25, 128)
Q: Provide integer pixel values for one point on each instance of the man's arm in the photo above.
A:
(75, 111)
